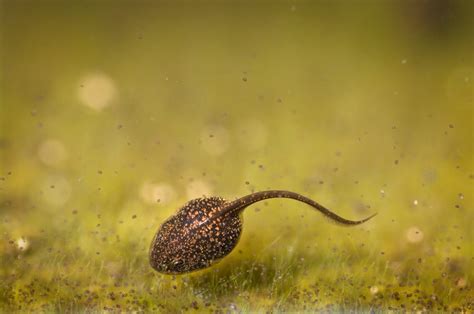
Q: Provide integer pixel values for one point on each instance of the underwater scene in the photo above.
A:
(230, 156)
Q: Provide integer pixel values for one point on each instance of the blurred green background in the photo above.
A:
(115, 113)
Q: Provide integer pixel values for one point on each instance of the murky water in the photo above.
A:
(115, 115)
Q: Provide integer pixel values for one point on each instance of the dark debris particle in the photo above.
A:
(244, 79)
(396, 162)
(134, 216)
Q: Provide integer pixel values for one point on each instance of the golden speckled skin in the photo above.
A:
(206, 229)
(194, 238)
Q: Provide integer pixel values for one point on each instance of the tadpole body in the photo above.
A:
(206, 229)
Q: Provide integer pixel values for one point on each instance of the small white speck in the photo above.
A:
(22, 244)
(415, 202)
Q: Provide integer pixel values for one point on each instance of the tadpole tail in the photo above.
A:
(241, 203)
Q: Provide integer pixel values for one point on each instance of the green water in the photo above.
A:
(114, 114)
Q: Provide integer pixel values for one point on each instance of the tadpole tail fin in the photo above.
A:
(241, 203)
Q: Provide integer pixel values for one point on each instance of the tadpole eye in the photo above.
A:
(177, 263)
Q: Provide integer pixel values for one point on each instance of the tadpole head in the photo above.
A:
(168, 252)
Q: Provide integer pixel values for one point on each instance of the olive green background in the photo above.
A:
(115, 113)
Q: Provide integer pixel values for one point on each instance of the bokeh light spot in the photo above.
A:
(252, 134)
(414, 235)
(96, 90)
(153, 193)
(215, 140)
(57, 190)
(52, 152)
(198, 188)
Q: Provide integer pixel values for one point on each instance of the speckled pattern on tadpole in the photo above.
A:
(206, 229)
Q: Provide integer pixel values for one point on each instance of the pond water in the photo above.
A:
(114, 115)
